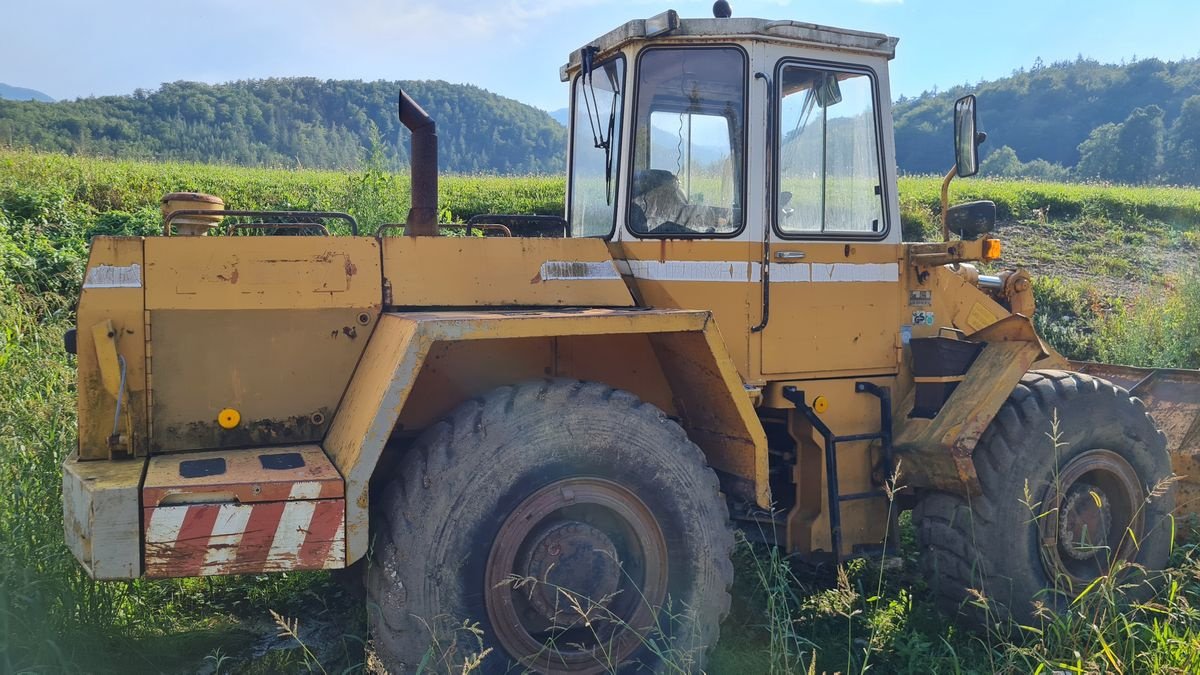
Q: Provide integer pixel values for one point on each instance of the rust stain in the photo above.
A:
(351, 269)
(350, 332)
(232, 278)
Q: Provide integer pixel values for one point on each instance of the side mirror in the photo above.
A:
(966, 138)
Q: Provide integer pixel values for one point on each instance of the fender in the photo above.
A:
(688, 372)
(939, 452)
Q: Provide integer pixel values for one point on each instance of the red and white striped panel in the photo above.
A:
(213, 539)
(243, 512)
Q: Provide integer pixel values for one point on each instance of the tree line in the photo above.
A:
(1136, 123)
(304, 122)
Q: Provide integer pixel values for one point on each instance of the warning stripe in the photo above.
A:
(212, 539)
(192, 545)
(260, 532)
(327, 520)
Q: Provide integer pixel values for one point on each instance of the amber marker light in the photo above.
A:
(229, 418)
(820, 404)
(992, 249)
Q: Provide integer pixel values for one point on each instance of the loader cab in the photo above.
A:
(729, 161)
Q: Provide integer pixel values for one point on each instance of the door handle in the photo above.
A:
(787, 256)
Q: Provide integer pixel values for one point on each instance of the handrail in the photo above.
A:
(170, 217)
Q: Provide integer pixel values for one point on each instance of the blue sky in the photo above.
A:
(70, 48)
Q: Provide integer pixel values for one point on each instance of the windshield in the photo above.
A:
(689, 142)
(598, 98)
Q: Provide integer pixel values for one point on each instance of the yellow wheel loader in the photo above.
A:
(549, 428)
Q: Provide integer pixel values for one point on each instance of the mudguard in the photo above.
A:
(705, 390)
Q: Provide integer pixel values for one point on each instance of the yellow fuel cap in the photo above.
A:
(820, 404)
(229, 418)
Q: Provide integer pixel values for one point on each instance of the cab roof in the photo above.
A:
(785, 31)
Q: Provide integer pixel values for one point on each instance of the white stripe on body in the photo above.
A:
(291, 532)
(731, 271)
(226, 536)
(164, 525)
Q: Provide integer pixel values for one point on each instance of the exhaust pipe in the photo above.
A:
(423, 215)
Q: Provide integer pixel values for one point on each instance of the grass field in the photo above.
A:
(1119, 282)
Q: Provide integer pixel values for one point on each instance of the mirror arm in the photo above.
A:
(946, 201)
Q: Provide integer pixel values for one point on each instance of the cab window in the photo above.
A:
(829, 169)
(595, 145)
(689, 143)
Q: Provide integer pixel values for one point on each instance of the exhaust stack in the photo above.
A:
(423, 215)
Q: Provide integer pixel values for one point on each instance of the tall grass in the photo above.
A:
(787, 617)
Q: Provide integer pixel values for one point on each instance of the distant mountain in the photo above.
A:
(1076, 119)
(7, 91)
(293, 122)
(562, 115)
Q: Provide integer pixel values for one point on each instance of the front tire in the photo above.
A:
(1051, 518)
(575, 526)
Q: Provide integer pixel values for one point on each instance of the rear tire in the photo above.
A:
(550, 482)
(1047, 523)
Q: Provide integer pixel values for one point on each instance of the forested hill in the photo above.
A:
(292, 122)
(1134, 123)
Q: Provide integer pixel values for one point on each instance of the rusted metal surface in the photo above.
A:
(191, 540)
(268, 326)
(113, 295)
(423, 161)
(243, 475)
(243, 511)
(385, 378)
(1095, 501)
(1172, 398)
(281, 218)
(576, 571)
(501, 272)
(940, 451)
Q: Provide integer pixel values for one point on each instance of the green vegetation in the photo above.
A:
(1081, 120)
(786, 618)
(294, 122)
(1135, 123)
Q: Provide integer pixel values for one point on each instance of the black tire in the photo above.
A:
(438, 520)
(984, 555)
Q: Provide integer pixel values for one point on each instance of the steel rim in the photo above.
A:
(574, 577)
(1090, 509)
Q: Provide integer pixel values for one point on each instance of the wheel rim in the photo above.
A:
(1090, 509)
(574, 576)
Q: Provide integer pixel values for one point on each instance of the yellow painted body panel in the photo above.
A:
(733, 304)
(864, 521)
(845, 319)
(694, 363)
(939, 450)
(499, 272)
(112, 295)
(290, 273)
(270, 327)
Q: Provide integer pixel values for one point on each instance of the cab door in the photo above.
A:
(833, 265)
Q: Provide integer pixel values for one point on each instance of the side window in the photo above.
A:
(595, 145)
(689, 142)
(829, 177)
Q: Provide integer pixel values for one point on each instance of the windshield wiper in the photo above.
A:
(600, 140)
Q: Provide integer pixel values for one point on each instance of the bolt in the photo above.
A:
(554, 550)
